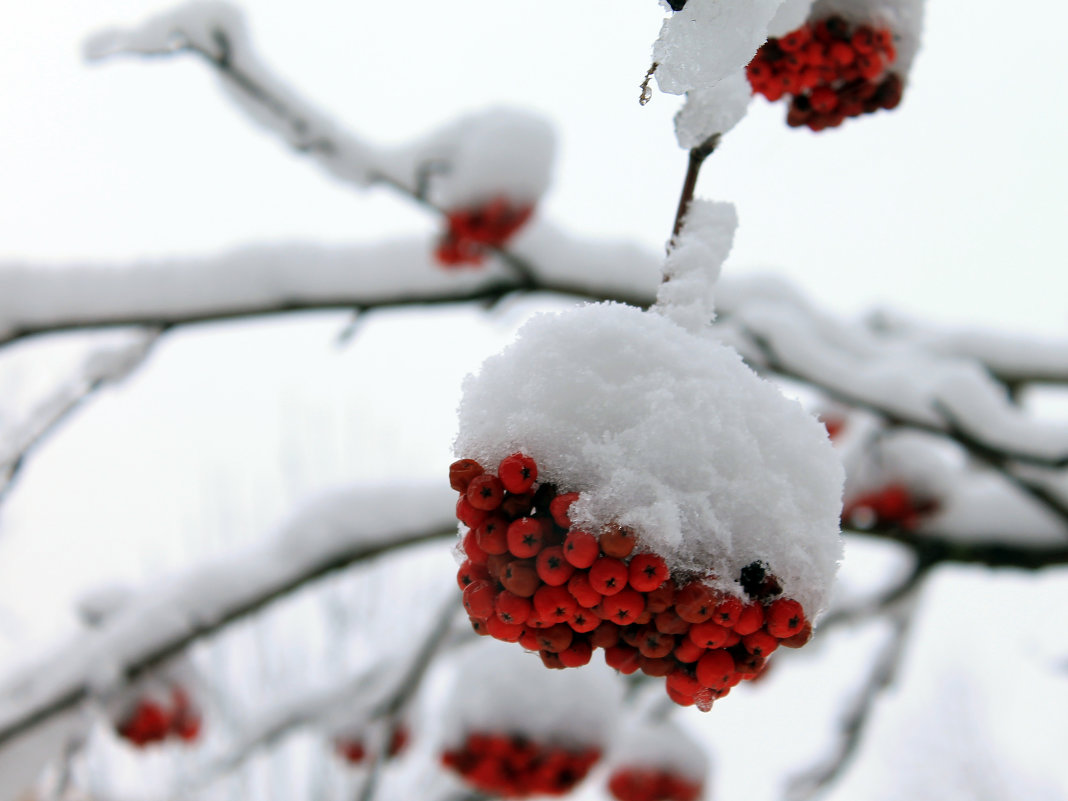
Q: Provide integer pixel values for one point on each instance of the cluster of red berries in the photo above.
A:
(893, 505)
(352, 748)
(532, 577)
(153, 720)
(511, 766)
(472, 231)
(645, 784)
(831, 71)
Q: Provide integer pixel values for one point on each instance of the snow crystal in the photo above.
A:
(708, 40)
(693, 265)
(712, 110)
(499, 688)
(661, 746)
(668, 433)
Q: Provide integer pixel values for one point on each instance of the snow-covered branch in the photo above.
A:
(330, 534)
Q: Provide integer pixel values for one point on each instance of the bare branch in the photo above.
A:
(689, 184)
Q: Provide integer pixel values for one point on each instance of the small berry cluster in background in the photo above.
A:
(472, 231)
(511, 766)
(638, 784)
(892, 505)
(830, 70)
(157, 717)
(351, 747)
(532, 577)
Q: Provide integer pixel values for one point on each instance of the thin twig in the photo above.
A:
(689, 184)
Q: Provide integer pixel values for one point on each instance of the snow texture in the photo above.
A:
(661, 746)
(668, 433)
(790, 16)
(694, 262)
(23, 760)
(712, 110)
(708, 40)
(499, 688)
(903, 17)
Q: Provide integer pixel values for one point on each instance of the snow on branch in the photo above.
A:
(103, 365)
(331, 533)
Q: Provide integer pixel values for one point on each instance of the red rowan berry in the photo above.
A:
(784, 618)
(687, 650)
(529, 639)
(525, 537)
(683, 681)
(555, 604)
(799, 639)
(624, 607)
(715, 669)
(660, 599)
(559, 506)
(479, 597)
(646, 572)
(520, 578)
(680, 698)
(498, 563)
(751, 619)
(581, 548)
(617, 541)
(728, 611)
(655, 645)
(584, 621)
(760, 643)
(667, 622)
(605, 635)
(608, 576)
(733, 638)
(468, 514)
(518, 473)
(552, 567)
(485, 492)
(475, 554)
(469, 572)
(695, 602)
(747, 663)
(577, 654)
(709, 634)
(479, 625)
(652, 666)
(512, 608)
(502, 630)
(623, 658)
(461, 472)
(551, 660)
(492, 534)
(555, 638)
(514, 506)
(579, 587)
(631, 635)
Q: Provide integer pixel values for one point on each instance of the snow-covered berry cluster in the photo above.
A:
(531, 576)
(472, 231)
(640, 784)
(831, 70)
(160, 715)
(514, 766)
(351, 747)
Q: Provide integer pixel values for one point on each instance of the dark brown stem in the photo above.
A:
(697, 158)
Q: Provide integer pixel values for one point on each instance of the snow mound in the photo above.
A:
(501, 689)
(668, 433)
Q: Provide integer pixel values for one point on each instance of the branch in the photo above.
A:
(104, 365)
(331, 534)
(933, 549)
(689, 184)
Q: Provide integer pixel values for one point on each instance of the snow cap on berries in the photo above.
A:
(500, 688)
(661, 746)
(708, 40)
(904, 18)
(667, 433)
(694, 262)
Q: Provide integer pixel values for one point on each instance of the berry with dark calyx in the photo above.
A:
(501, 630)
(715, 669)
(784, 618)
(728, 611)
(478, 624)
(470, 572)
(581, 590)
(525, 537)
(747, 663)
(646, 572)
(520, 577)
(512, 608)
(552, 567)
(709, 634)
(518, 473)
(492, 534)
(551, 660)
(555, 638)
(760, 643)
(799, 639)
(555, 604)
(461, 472)
(584, 621)
(695, 602)
(655, 645)
(559, 506)
(608, 575)
(617, 541)
(624, 607)
(479, 599)
(581, 548)
(485, 492)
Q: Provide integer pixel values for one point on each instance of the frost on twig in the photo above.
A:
(331, 533)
